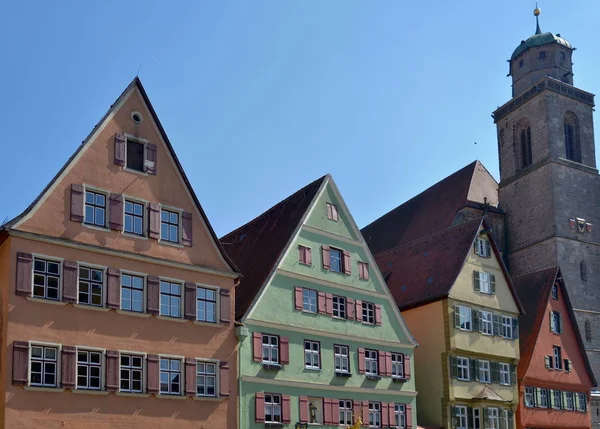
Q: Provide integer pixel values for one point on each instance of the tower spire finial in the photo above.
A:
(537, 12)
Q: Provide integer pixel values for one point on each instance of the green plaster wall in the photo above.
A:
(318, 216)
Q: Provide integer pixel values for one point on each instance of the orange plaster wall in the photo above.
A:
(96, 168)
(538, 375)
(4, 287)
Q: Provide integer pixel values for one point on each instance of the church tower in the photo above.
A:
(549, 185)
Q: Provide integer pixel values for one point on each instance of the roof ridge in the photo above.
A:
(554, 267)
(266, 212)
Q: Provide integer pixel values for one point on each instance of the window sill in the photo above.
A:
(398, 379)
(343, 374)
(272, 366)
(172, 319)
(91, 307)
(133, 394)
(133, 170)
(44, 389)
(166, 396)
(273, 425)
(132, 235)
(373, 377)
(312, 313)
(306, 368)
(96, 227)
(213, 324)
(45, 301)
(90, 392)
(207, 398)
(170, 243)
(133, 313)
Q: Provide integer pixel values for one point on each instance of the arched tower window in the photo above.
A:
(583, 269)
(572, 146)
(526, 154)
(588, 331)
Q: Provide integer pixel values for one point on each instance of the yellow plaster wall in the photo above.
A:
(426, 323)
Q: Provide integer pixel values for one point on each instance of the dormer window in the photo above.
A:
(135, 155)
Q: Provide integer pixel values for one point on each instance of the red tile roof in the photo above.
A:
(433, 209)
(256, 246)
(534, 289)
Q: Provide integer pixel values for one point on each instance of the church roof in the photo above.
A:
(433, 209)
(540, 39)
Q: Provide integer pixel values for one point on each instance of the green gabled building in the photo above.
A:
(321, 339)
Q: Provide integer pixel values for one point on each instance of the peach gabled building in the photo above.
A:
(115, 292)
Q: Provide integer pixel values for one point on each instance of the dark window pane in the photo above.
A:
(135, 155)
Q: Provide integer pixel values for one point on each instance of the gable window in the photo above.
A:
(460, 413)
(312, 359)
(571, 129)
(464, 317)
(482, 247)
(272, 408)
(336, 260)
(554, 292)
(304, 255)
(206, 305)
(89, 368)
(542, 55)
(363, 270)
(371, 362)
(170, 299)
(397, 365)
(131, 371)
(484, 371)
(526, 153)
(581, 402)
(134, 218)
(90, 286)
(462, 365)
(206, 378)
(493, 422)
(46, 279)
(529, 397)
(504, 369)
(487, 323)
(95, 208)
(543, 398)
(170, 376)
(556, 399)
(332, 212)
(341, 358)
(169, 226)
(368, 313)
(270, 349)
(339, 307)
(375, 414)
(557, 358)
(135, 155)
(507, 327)
(345, 417)
(132, 293)
(484, 282)
(555, 322)
(400, 416)
(43, 366)
(309, 300)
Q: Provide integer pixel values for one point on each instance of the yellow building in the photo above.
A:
(459, 302)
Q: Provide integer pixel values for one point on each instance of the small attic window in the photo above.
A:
(137, 117)
(521, 63)
(542, 55)
(135, 155)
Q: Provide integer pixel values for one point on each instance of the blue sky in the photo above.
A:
(259, 98)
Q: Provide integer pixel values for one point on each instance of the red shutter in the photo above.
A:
(113, 289)
(385, 413)
(392, 413)
(224, 385)
(257, 347)
(326, 260)
(409, 422)
(259, 407)
(152, 374)
(308, 255)
(381, 363)
(286, 412)
(190, 301)
(186, 227)
(112, 371)
(303, 409)
(350, 308)
(366, 271)
(328, 411)
(120, 144)
(302, 254)
(321, 302)
(359, 314)
(407, 367)
(151, 164)
(388, 364)
(365, 411)
(225, 311)
(363, 270)
(20, 363)
(356, 410)
(378, 314)
(298, 298)
(153, 220)
(67, 373)
(329, 304)
(69, 292)
(335, 411)
(24, 272)
(334, 213)
(76, 202)
(347, 263)
(329, 211)
(115, 212)
(284, 346)
(153, 295)
(361, 361)
(190, 377)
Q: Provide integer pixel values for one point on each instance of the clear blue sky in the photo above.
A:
(261, 97)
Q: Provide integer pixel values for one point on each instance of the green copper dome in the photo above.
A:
(540, 39)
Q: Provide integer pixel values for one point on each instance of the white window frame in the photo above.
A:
(275, 406)
(339, 304)
(106, 195)
(206, 301)
(144, 233)
(169, 371)
(554, 292)
(477, 418)
(368, 313)
(544, 398)
(570, 401)
(400, 416)
(485, 283)
(482, 249)
(341, 354)
(90, 268)
(504, 370)
(312, 354)
(582, 402)
(485, 371)
(462, 367)
(465, 316)
(461, 417)
(57, 364)
(529, 397)
(557, 405)
(310, 303)
(332, 259)
(557, 358)
(555, 322)
(207, 375)
(397, 365)
(371, 362)
(179, 213)
(374, 414)
(504, 416)
(181, 296)
(493, 417)
(507, 329)
(130, 369)
(46, 274)
(345, 415)
(487, 323)
(272, 349)
(89, 364)
(144, 278)
(141, 141)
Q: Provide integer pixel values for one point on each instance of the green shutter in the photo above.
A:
(488, 249)
(453, 416)
(474, 370)
(515, 327)
(547, 361)
(494, 372)
(560, 323)
(502, 421)
(476, 281)
(552, 327)
(469, 416)
(496, 325)
(513, 374)
(576, 400)
(453, 367)
(551, 398)
(456, 317)
(475, 320)
(538, 396)
(492, 283)
(511, 419)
